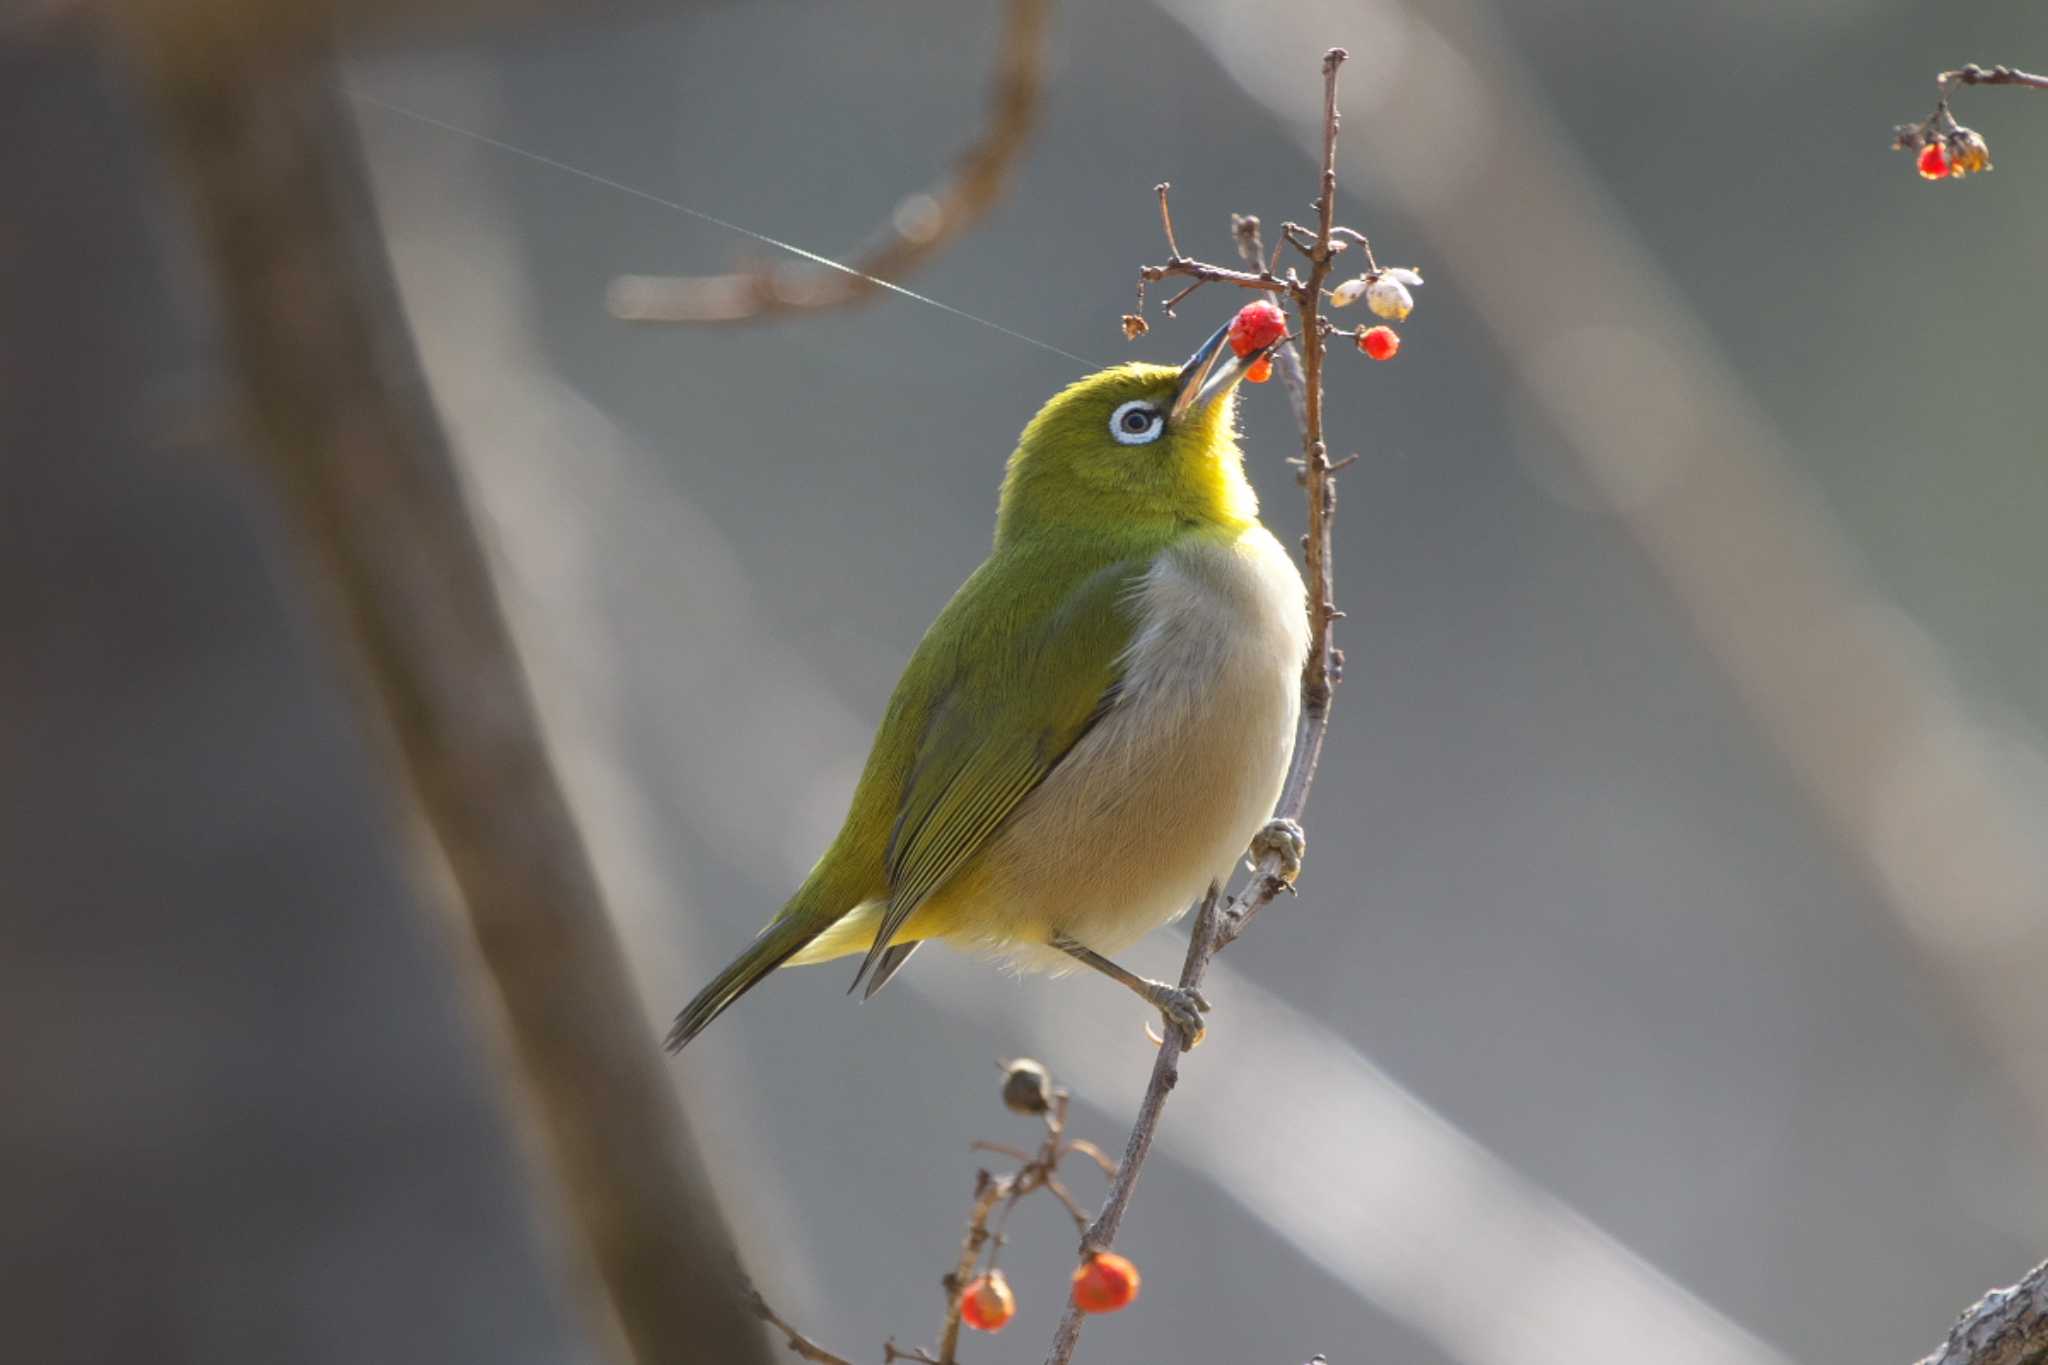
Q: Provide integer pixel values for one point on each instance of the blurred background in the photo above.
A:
(1665, 982)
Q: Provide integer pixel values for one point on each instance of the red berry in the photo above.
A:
(986, 1304)
(1105, 1283)
(1257, 326)
(1379, 342)
(1260, 372)
(1934, 162)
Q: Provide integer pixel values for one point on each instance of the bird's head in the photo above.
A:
(1136, 446)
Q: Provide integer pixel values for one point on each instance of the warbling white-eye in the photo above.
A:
(1096, 725)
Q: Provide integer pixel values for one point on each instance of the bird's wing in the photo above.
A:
(1019, 698)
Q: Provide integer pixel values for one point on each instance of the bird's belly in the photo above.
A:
(1165, 792)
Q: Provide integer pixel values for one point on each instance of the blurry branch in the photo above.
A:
(340, 419)
(1946, 148)
(1279, 847)
(2005, 1327)
(922, 225)
(797, 1342)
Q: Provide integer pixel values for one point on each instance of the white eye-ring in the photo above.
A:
(1137, 422)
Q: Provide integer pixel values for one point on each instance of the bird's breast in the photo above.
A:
(1166, 790)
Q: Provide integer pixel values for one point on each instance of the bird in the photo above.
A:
(1094, 728)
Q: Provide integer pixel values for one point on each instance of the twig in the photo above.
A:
(988, 1192)
(795, 1340)
(923, 225)
(2005, 1327)
(1169, 305)
(1093, 1153)
(1264, 280)
(1973, 74)
(1325, 661)
(1214, 926)
(1166, 218)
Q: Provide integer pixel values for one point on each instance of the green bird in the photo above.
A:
(1097, 724)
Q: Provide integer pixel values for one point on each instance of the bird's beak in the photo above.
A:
(1212, 371)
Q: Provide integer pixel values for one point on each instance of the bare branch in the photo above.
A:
(923, 224)
(988, 1192)
(1264, 280)
(1093, 1153)
(1973, 74)
(1166, 219)
(2005, 1327)
(1214, 925)
(795, 1340)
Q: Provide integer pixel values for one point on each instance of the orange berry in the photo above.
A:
(1934, 162)
(986, 1304)
(1380, 343)
(1104, 1283)
(1257, 326)
(1260, 372)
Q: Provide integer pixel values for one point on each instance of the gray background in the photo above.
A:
(1561, 888)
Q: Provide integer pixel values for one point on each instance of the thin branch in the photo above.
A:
(1264, 280)
(1170, 304)
(923, 224)
(1214, 925)
(1093, 1153)
(1973, 74)
(988, 1192)
(795, 1340)
(1166, 219)
(2005, 1327)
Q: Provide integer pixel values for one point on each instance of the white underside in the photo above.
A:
(1165, 793)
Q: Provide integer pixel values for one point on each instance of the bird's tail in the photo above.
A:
(779, 942)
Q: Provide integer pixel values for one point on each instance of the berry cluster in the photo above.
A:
(1386, 294)
(1942, 148)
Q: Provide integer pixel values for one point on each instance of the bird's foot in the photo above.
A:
(1286, 841)
(1182, 1007)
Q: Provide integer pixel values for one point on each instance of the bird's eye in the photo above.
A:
(1137, 422)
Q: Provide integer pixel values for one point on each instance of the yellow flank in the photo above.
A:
(1097, 723)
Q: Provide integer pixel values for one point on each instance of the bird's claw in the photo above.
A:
(1182, 1007)
(1285, 840)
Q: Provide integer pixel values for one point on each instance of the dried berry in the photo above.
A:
(1027, 1087)
(1135, 327)
(1350, 292)
(986, 1303)
(1968, 153)
(1257, 326)
(1381, 343)
(1104, 1283)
